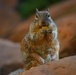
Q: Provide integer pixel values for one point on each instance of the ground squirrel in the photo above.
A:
(41, 44)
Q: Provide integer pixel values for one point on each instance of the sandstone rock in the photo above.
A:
(8, 68)
(9, 20)
(9, 52)
(65, 66)
(62, 9)
(67, 35)
(9, 3)
(10, 57)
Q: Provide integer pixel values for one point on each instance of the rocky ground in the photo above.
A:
(13, 29)
(10, 57)
(66, 66)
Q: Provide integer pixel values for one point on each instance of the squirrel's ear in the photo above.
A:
(48, 9)
(37, 10)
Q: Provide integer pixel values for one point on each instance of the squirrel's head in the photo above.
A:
(43, 18)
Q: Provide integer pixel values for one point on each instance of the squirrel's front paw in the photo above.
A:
(49, 31)
(44, 31)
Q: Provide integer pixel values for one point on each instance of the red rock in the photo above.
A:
(66, 66)
(67, 35)
(10, 57)
(9, 3)
(8, 68)
(9, 52)
(9, 20)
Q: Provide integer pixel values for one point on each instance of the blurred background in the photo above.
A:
(15, 18)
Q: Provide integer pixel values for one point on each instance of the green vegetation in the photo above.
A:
(27, 7)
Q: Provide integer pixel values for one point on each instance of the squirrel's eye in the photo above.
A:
(48, 15)
(36, 16)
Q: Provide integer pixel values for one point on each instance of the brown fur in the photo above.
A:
(40, 45)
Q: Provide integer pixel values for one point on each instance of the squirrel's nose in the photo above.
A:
(44, 23)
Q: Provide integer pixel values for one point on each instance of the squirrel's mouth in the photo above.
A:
(43, 27)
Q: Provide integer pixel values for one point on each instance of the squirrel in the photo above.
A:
(40, 45)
